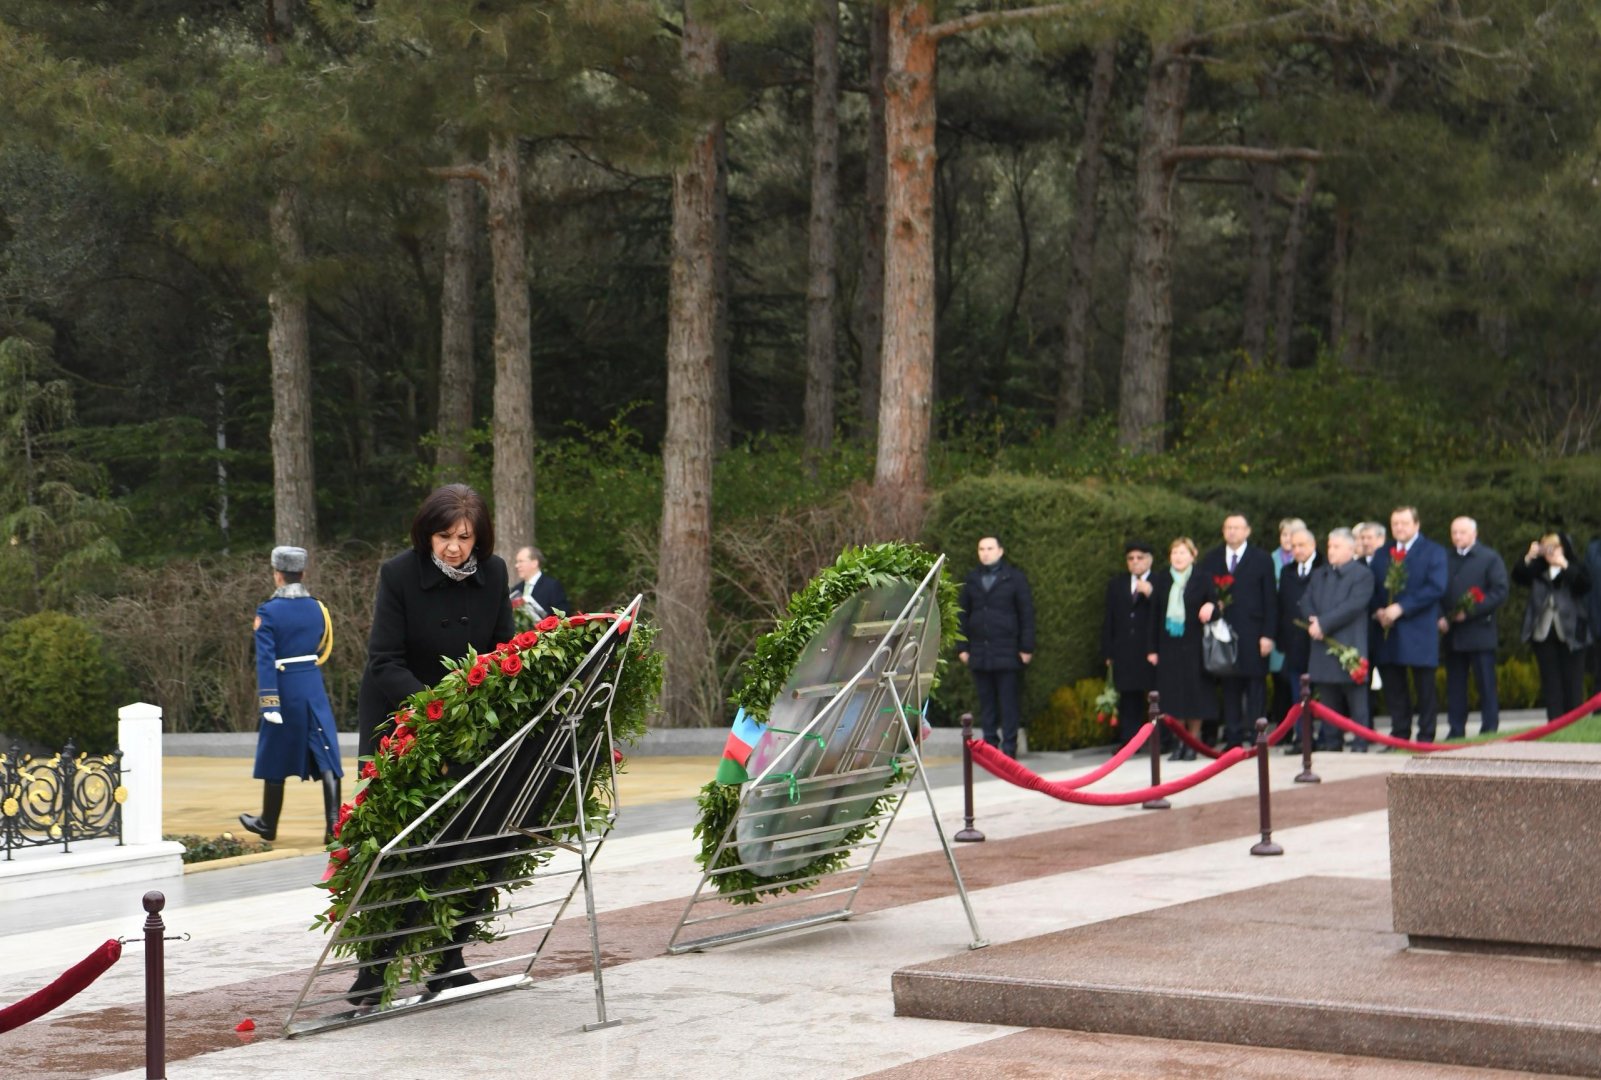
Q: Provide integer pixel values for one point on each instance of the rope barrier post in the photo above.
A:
(155, 988)
(1306, 775)
(1264, 800)
(1153, 713)
(967, 834)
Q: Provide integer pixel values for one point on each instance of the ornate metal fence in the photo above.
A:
(64, 798)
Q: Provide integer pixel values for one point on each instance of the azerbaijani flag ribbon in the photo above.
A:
(746, 733)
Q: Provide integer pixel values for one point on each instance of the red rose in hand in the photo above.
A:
(516, 602)
(1477, 594)
(1398, 554)
(477, 673)
(548, 623)
(436, 709)
(369, 770)
(1224, 581)
(525, 640)
(511, 665)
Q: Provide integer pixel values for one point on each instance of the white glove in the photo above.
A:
(273, 716)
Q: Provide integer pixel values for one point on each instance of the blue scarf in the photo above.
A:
(1175, 600)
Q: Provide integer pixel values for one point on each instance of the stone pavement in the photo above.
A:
(811, 1004)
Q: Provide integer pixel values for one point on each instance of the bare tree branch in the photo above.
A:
(1259, 155)
(475, 173)
(980, 19)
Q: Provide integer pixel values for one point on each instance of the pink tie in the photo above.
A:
(1234, 561)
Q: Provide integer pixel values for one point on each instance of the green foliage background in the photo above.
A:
(59, 682)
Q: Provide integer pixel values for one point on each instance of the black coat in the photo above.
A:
(1126, 635)
(1569, 589)
(996, 623)
(548, 594)
(420, 618)
(1293, 641)
(1187, 691)
(1481, 568)
(1339, 596)
(1253, 609)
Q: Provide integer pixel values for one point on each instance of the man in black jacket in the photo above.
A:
(1126, 638)
(1240, 589)
(1476, 587)
(997, 628)
(542, 593)
(1293, 640)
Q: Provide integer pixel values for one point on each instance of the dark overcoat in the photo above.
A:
(1481, 568)
(1126, 634)
(996, 623)
(1339, 596)
(1293, 641)
(1186, 691)
(1253, 608)
(288, 630)
(1414, 640)
(1568, 588)
(421, 618)
(548, 594)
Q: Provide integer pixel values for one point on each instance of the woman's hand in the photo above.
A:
(1206, 612)
(1534, 552)
(1150, 658)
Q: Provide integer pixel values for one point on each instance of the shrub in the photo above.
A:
(206, 849)
(58, 683)
(1068, 720)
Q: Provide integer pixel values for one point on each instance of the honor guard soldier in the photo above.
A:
(297, 737)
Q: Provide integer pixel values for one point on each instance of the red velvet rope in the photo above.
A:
(1128, 751)
(1323, 712)
(1189, 740)
(67, 985)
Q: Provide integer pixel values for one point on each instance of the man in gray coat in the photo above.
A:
(1476, 588)
(1335, 606)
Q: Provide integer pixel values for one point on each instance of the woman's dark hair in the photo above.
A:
(447, 505)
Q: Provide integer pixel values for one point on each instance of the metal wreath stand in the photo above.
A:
(493, 815)
(798, 809)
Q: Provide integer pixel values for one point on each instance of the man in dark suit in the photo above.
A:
(996, 621)
(1335, 607)
(1240, 584)
(1293, 642)
(1407, 616)
(536, 590)
(1126, 638)
(1476, 587)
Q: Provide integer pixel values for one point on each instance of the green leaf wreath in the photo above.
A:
(763, 677)
(437, 734)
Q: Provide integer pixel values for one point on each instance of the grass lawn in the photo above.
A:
(1586, 730)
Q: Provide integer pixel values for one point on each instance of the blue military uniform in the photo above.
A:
(293, 640)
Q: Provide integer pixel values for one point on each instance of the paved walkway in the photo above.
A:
(810, 1004)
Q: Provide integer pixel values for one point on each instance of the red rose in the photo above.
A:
(402, 718)
(1398, 554)
(1477, 594)
(511, 665)
(477, 674)
(517, 602)
(333, 914)
(616, 756)
(548, 623)
(361, 796)
(369, 770)
(342, 855)
(1224, 581)
(436, 709)
(525, 639)
(505, 647)
(404, 743)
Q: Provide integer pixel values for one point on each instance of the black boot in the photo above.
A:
(272, 804)
(369, 985)
(449, 972)
(330, 805)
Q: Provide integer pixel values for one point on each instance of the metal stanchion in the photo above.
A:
(155, 988)
(1153, 713)
(1265, 846)
(1306, 775)
(967, 834)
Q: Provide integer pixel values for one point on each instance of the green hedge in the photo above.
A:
(1067, 536)
(58, 683)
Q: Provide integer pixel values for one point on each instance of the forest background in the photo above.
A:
(700, 293)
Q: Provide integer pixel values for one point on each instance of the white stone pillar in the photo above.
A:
(139, 736)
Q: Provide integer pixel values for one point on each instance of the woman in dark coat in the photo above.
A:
(1556, 623)
(447, 594)
(1184, 690)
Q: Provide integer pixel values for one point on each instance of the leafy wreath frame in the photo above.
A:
(763, 677)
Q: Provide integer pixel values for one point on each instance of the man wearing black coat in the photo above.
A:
(1476, 587)
(1335, 607)
(535, 587)
(1293, 641)
(996, 620)
(1126, 638)
(1240, 589)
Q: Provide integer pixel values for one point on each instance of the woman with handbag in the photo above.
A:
(1184, 690)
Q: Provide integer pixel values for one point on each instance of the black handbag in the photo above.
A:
(1220, 649)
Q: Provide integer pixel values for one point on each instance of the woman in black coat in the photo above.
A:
(1185, 692)
(1556, 624)
(447, 594)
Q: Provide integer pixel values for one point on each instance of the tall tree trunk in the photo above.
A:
(870, 297)
(722, 336)
(456, 331)
(294, 485)
(1081, 260)
(1148, 319)
(820, 289)
(1289, 258)
(683, 577)
(513, 476)
(1259, 282)
(905, 405)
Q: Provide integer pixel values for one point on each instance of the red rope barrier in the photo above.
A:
(1117, 759)
(1189, 740)
(1323, 712)
(72, 981)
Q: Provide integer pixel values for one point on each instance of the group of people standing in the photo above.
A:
(1369, 613)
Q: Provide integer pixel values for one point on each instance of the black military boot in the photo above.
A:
(330, 805)
(272, 804)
